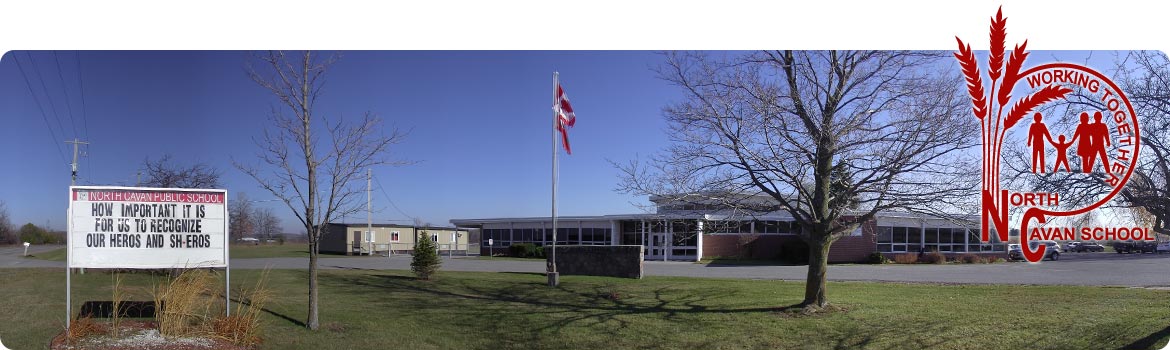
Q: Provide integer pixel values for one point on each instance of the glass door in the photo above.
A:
(656, 246)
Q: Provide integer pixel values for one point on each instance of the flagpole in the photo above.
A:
(553, 278)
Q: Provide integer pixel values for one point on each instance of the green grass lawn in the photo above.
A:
(52, 255)
(389, 309)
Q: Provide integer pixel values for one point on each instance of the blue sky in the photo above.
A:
(478, 120)
(479, 125)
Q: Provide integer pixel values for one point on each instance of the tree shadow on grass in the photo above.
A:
(532, 313)
(581, 304)
(266, 310)
(1149, 341)
(886, 336)
(541, 274)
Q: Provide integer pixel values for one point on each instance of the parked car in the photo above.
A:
(1014, 252)
(1051, 253)
(1072, 246)
(1135, 247)
(1088, 247)
(1163, 247)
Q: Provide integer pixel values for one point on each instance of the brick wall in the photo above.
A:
(855, 248)
(846, 249)
(753, 247)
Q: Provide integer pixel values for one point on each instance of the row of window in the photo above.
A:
(539, 236)
(753, 226)
(894, 239)
(394, 235)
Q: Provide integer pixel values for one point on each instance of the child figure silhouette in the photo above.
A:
(1062, 153)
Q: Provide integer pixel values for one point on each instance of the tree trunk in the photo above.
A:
(312, 323)
(311, 206)
(818, 266)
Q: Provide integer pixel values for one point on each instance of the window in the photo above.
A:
(770, 227)
(884, 237)
(957, 237)
(434, 237)
(567, 235)
(394, 236)
(896, 239)
(717, 227)
(498, 237)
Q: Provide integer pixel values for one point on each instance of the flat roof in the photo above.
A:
(678, 216)
(397, 226)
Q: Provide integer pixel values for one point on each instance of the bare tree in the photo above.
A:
(166, 174)
(315, 181)
(1144, 76)
(829, 137)
(267, 224)
(242, 217)
(7, 231)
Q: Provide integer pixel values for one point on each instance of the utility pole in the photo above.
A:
(369, 213)
(73, 182)
(75, 142)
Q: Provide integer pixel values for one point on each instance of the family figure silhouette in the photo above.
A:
(1091, 140)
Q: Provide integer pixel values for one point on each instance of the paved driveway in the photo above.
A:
(13, 256)
(1107, 269)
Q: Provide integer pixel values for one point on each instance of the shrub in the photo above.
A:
(993, 260)
(878, 258)
(243, 326)
(188, 299)
(540, 252)
(36, 235)
(933, 258)
(426, 260)
(522, 250)
(971, 259)
(908, 258)
(81, 328)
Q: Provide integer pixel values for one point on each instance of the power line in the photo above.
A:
(84, 117)
(68, 101)
(41, 108)
(44, 88)
(383, 190)
(81, 89)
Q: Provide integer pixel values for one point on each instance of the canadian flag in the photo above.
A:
(565, 116)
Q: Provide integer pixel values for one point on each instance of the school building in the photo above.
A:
(360, 239)
(691, 232)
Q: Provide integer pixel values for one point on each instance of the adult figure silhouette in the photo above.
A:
(1100, 136)
(1037, 133)
(1084, 143)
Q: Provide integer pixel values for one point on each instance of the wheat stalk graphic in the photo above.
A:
(995, 126)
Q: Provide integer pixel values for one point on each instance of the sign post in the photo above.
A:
(491, 247)
(147, 228)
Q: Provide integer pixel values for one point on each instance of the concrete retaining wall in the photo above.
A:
(600, 260)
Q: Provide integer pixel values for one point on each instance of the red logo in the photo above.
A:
(1103, 146)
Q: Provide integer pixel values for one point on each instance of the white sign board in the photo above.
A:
(147, 228)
